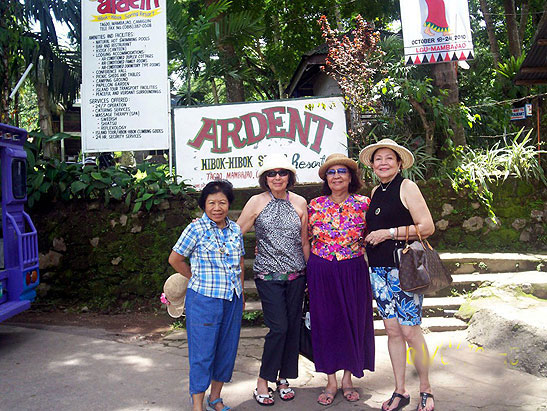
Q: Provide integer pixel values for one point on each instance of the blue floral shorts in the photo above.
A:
(393, 302)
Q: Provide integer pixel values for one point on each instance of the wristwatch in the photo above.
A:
(392, 233)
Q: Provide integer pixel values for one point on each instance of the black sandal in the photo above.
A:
(284, 393)
(260, 398)
(403, 401)
(423, 400)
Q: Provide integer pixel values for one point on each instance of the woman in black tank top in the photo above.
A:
(397, 203)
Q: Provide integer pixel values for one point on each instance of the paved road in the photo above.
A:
(74, 368)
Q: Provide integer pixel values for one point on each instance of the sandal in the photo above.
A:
(284, 393)
(349, 393)
(211, 405)
(329, 397)
(423, 401)
(260, 398)
(403, 401)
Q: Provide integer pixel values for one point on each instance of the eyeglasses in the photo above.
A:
(339, 171)
(273, 173)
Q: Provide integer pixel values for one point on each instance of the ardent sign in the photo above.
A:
(269, 125)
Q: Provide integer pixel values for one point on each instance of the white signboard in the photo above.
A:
(518, 113)
(436, 31)
(231, 141)
(125, 96)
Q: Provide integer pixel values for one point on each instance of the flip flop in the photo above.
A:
(423, 400)
(403, 401)
(349, 392)
(211, 405)
(329, 397)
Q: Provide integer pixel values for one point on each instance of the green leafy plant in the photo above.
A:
(179, 324)
(475, 169)
(145, 185)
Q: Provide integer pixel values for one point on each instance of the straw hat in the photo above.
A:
(175, 292)
(334, 159)
(274, 161)
(405, 154)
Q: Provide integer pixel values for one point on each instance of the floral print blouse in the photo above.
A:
(337, 230)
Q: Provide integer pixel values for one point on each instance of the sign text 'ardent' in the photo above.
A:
(253, 127)
(122, 6)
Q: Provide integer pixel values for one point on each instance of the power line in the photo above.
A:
(514, 100)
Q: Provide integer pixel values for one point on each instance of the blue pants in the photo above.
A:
(212, 326)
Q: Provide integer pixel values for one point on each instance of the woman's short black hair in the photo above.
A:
(264, 185)
(397, 156)
(218, 186)
(354, 185)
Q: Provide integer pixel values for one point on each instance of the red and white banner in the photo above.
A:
(436, 31)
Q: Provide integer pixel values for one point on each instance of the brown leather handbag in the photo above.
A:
(421, 270)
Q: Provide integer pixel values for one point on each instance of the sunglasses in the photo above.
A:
(339, 171)
(273, 173)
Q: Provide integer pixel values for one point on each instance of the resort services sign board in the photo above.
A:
(231, 141)
(125, 95)
(436, 31)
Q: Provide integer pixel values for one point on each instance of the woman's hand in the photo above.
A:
(376, 237)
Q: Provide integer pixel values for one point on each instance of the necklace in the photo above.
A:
(385, 188)
(221, 247)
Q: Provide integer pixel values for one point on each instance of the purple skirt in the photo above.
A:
(341, 320)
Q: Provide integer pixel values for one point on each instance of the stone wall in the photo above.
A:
(463, 224)
(109, 258)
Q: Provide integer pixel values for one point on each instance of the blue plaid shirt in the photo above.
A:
(215, 257)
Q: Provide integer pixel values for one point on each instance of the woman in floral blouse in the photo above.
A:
(338, 284)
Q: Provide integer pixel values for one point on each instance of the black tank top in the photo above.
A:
(386, 211)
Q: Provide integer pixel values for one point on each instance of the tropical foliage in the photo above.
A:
(143, 186)
(235, 50)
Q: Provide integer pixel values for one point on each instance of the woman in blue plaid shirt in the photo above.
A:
(209, 253)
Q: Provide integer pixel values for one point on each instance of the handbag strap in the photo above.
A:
(422, 240)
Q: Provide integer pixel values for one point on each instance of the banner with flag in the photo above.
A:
(436, 31)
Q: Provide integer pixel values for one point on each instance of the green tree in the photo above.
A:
(56, 73)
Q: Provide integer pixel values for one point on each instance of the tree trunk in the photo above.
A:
(51, 150)
(512, 28)
(429, 127)
(494, 46)
(4, 114)
(235, 90)
(215, 91)
(338, 17)
(276, 34)
(524, 13)
(445, 77)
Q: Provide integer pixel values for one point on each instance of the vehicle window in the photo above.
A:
(19, 179)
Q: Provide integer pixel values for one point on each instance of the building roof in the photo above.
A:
(301, 83)
(534, 67)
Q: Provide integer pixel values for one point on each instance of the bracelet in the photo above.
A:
(392, 233)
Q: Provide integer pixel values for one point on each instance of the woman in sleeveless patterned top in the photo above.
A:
(280, 219)
(397, 203)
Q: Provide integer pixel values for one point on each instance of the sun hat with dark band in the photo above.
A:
(335, 159)
(274, 161)
(406, 156)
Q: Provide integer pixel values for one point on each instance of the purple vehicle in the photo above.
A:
(19, 273)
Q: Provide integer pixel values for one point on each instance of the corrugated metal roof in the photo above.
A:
(534, 66)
